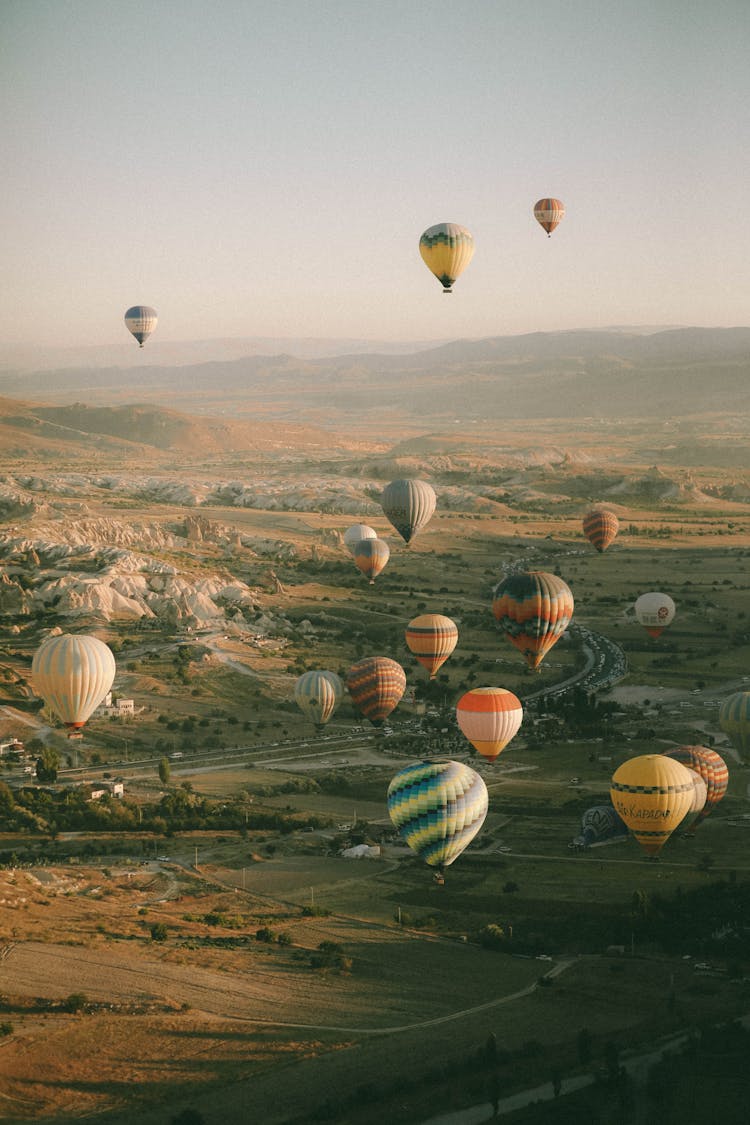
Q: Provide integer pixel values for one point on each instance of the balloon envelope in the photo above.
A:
(654, 611)
(409, 505)
(317, 694)
(602, 822)
(700, 793)
(438, 807)
(371, 556)
(734, 720)
(432, 638)
(489, 717)
(356, 533)
(72, 674)
(376, 685)
(549, 213)
(600, 526)
(446, 250)
(652, 793)
(710, 766)
(141, 321)
(534, 609)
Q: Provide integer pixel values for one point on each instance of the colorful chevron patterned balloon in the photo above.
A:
(438, 807)
(534, 609)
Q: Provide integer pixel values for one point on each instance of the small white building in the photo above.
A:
(101, 789)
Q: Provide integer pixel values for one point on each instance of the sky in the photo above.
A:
(258, 168)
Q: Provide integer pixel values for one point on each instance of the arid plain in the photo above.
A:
(200, 942)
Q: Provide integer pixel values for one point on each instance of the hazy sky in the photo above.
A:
(265, 167)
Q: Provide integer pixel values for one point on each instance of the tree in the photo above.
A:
(158, 932)
(47, 764)
(165, 771)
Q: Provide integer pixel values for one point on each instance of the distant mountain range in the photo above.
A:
(141, 434)
(610, 374)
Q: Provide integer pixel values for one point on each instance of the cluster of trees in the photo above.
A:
(43, 810)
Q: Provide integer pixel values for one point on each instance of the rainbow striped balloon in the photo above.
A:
(534, 609)
(600, 526)
(438, 807)
(489, 717)
(432, 638)
(376, 685)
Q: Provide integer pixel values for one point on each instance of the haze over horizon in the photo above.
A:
(266, 172)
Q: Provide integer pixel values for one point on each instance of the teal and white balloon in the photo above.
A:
(438, 807)
(72, 674)
(317, 695)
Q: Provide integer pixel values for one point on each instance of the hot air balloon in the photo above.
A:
(376, 685)
(654, 611)
(371, 556)
(734, 720)
(549, 213)
(489, 717)
(534, 609)
(356, 533)
(600, 527)
(438, 807)
(698, 805)
(446, 250)
(317, 695)
(72, 674)
(432, 638)
(600, 823)
(710, 766)
(652, 793)
(141, 321)
(409, 505)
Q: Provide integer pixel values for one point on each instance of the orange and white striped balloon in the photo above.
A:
(489, 717)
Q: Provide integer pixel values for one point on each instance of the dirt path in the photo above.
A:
(105, 975)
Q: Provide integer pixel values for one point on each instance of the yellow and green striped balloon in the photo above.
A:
(438, 807)
(446, 250)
